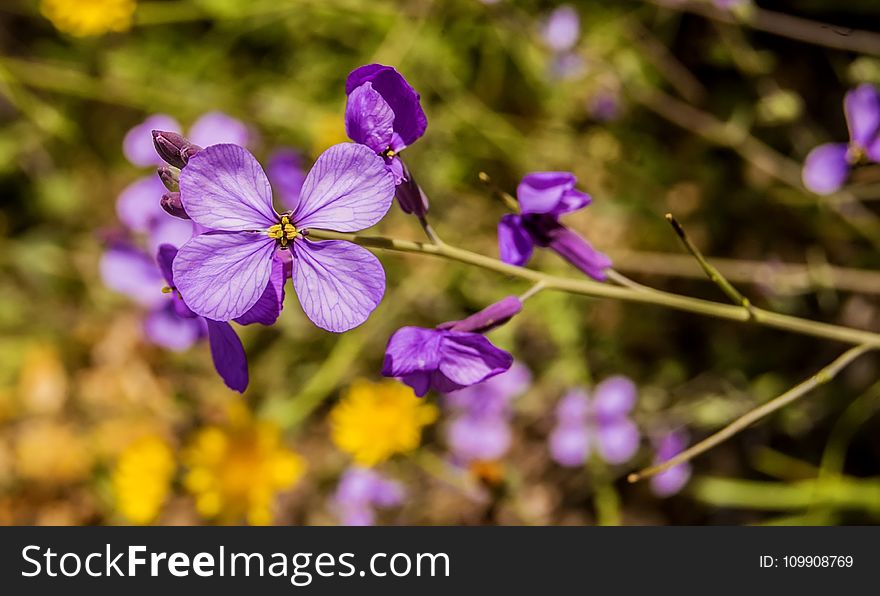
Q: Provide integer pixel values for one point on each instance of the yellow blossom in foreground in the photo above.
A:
(373, 421)
(235, 471)
(89, 17)
(142, 479)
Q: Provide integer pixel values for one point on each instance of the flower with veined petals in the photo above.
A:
(374, 421)
(89, 17)
(222, 273)
(235, 471)
(142, 477)
(543, 197)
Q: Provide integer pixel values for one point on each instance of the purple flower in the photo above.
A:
(602, 422)
(562, 29)
(222, 273)
(286, 175)
(827, 166)
(671, 481)
(360, 490)
(480, 428)
(543, 197)
(452, 356)
(604, 106)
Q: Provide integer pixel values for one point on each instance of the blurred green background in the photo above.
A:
(713, 118)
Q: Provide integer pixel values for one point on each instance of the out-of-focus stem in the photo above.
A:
(820, 378)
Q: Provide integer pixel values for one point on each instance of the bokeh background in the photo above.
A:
(656, 106)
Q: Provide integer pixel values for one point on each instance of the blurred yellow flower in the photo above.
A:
(52, 453)
(89, 17)
(142, 478)
(235, 471)
(373, 421)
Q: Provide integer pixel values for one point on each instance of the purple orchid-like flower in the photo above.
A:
(543, 197)
(452, 356)
(603, 421)
(384, 113)
(671, 481)
(223, 272)
(360, 492)
(827, 167)
(480, 428)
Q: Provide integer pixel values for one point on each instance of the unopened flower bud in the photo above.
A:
(170, 177)
(175, 149)
(487, 319)
(410, 196)
(172, 205)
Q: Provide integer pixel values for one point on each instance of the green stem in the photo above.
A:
(586, 287)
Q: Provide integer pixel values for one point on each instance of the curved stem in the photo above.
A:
(586, 287)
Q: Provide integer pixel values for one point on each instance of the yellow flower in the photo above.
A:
(142, 478)
(235, 471)
(89, 17)
(373, 421)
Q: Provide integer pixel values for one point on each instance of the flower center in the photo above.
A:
(283, 232)
(389, 153)
(856, 154)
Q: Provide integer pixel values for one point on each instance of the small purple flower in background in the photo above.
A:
(543, 197)
(360, 492)
(480, 428)
(828, 166)
(669, 482)
(604, 106)
(560, 33)
(729, 4)
(603, 422)
(287, 176)
(384, 113)
(222, 273)
(452, 356)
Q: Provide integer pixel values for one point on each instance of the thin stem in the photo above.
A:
(586, 287)
(820, 378)
(505, 197)
(713, 273)
(429, 231)
(540, 285)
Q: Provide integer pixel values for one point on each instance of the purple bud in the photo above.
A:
(169, 177)
(410, 196)
(172, 205)
(490, 317)
(175, 149)
(573, 248)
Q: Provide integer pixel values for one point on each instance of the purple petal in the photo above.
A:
(165, 258)
(214, 128)
(411, 350)
(479, 438)
(228, 355)
(268, 308)
(468, 358)
(138, 143)
(515, 244)
(338, 283)
(577, 251)
(826, 168)
(131, 272)
(570, 445)
(409, 118)
(614, 398)
(138, 204)
(170, 230)
(224, 188)
(221, 276)
(287, 176)
(562, 29)
(348, 189)
(369, 119)
(573, 408)
(618, 440)
(357, 516)
(669, 482)
(493, 395)
(550, 192)
(163, 327)
(489, 318)
(862, 109)
(420, 381)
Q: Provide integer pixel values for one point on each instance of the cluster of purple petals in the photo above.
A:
(601, 421)
(479, 429)
(671, 481)
(828, 166)
(543, 197)
(452, 355)
(360, 492)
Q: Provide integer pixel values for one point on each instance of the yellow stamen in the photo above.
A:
(167, 290)
(284, 231)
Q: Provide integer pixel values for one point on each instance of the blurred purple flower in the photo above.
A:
(360, 491)
(480, 427)
(562, 29)
(604, 106)
(138, 143)
(671, 481)
(452, 356)
(603, 422)
(285, 171)
(543, 197)
(222, 273)
(729, 4)
(827, 166)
